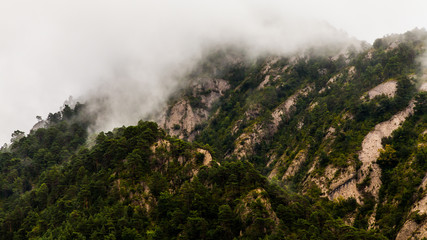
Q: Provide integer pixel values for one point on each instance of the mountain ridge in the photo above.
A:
(331, 146)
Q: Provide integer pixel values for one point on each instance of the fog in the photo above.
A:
(128, 55)
(422, 83)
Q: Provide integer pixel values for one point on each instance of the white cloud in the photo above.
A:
(50, 49)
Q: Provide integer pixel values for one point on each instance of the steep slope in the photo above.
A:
(138, 183)
(327, 143)
(318, 120)
(370, 152)
(183, 118)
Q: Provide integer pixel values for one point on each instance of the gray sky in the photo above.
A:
(130, 50)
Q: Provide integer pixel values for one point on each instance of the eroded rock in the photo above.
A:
(183, 117)
(386, 88)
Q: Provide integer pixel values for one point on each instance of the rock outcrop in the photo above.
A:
(371, 146)
(386, 88)
(254, 134)
(415, 228)
(370, 152)
(188, 112)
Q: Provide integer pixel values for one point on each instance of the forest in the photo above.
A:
(234, 180)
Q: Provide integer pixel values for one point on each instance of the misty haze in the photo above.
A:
(213, 119)
(135, 53)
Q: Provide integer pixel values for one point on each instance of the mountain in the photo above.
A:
(327, 143)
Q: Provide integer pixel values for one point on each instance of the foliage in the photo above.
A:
(123, 188)
(137, 182)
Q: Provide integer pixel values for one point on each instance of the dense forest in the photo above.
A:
(138, 183)
(273, 156)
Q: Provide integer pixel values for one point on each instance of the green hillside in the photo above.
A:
(323, 144)
(138, 183)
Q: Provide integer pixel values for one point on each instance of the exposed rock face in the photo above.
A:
(372, 144)
(351, 71)
(207, 160)
(387, 88)
(320, 181)
(271, 61)
(209, 90)
(263, 83)
(342, 186)
(412, 229)
(330, 133)
(370, 152)
(335, 183)
(183, 117)
(246, 142)
(271, 74)
(295, 165)
(343, 183)
(334, 78)
(284, 109)
(348, 189)
(208, 157)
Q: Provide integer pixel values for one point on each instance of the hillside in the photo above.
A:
(138, 183)
(321, 119)
(327, 143)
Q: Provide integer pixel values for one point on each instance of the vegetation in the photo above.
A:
(137, 182)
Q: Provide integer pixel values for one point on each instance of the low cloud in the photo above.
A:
(422, 83)
(128, 56)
